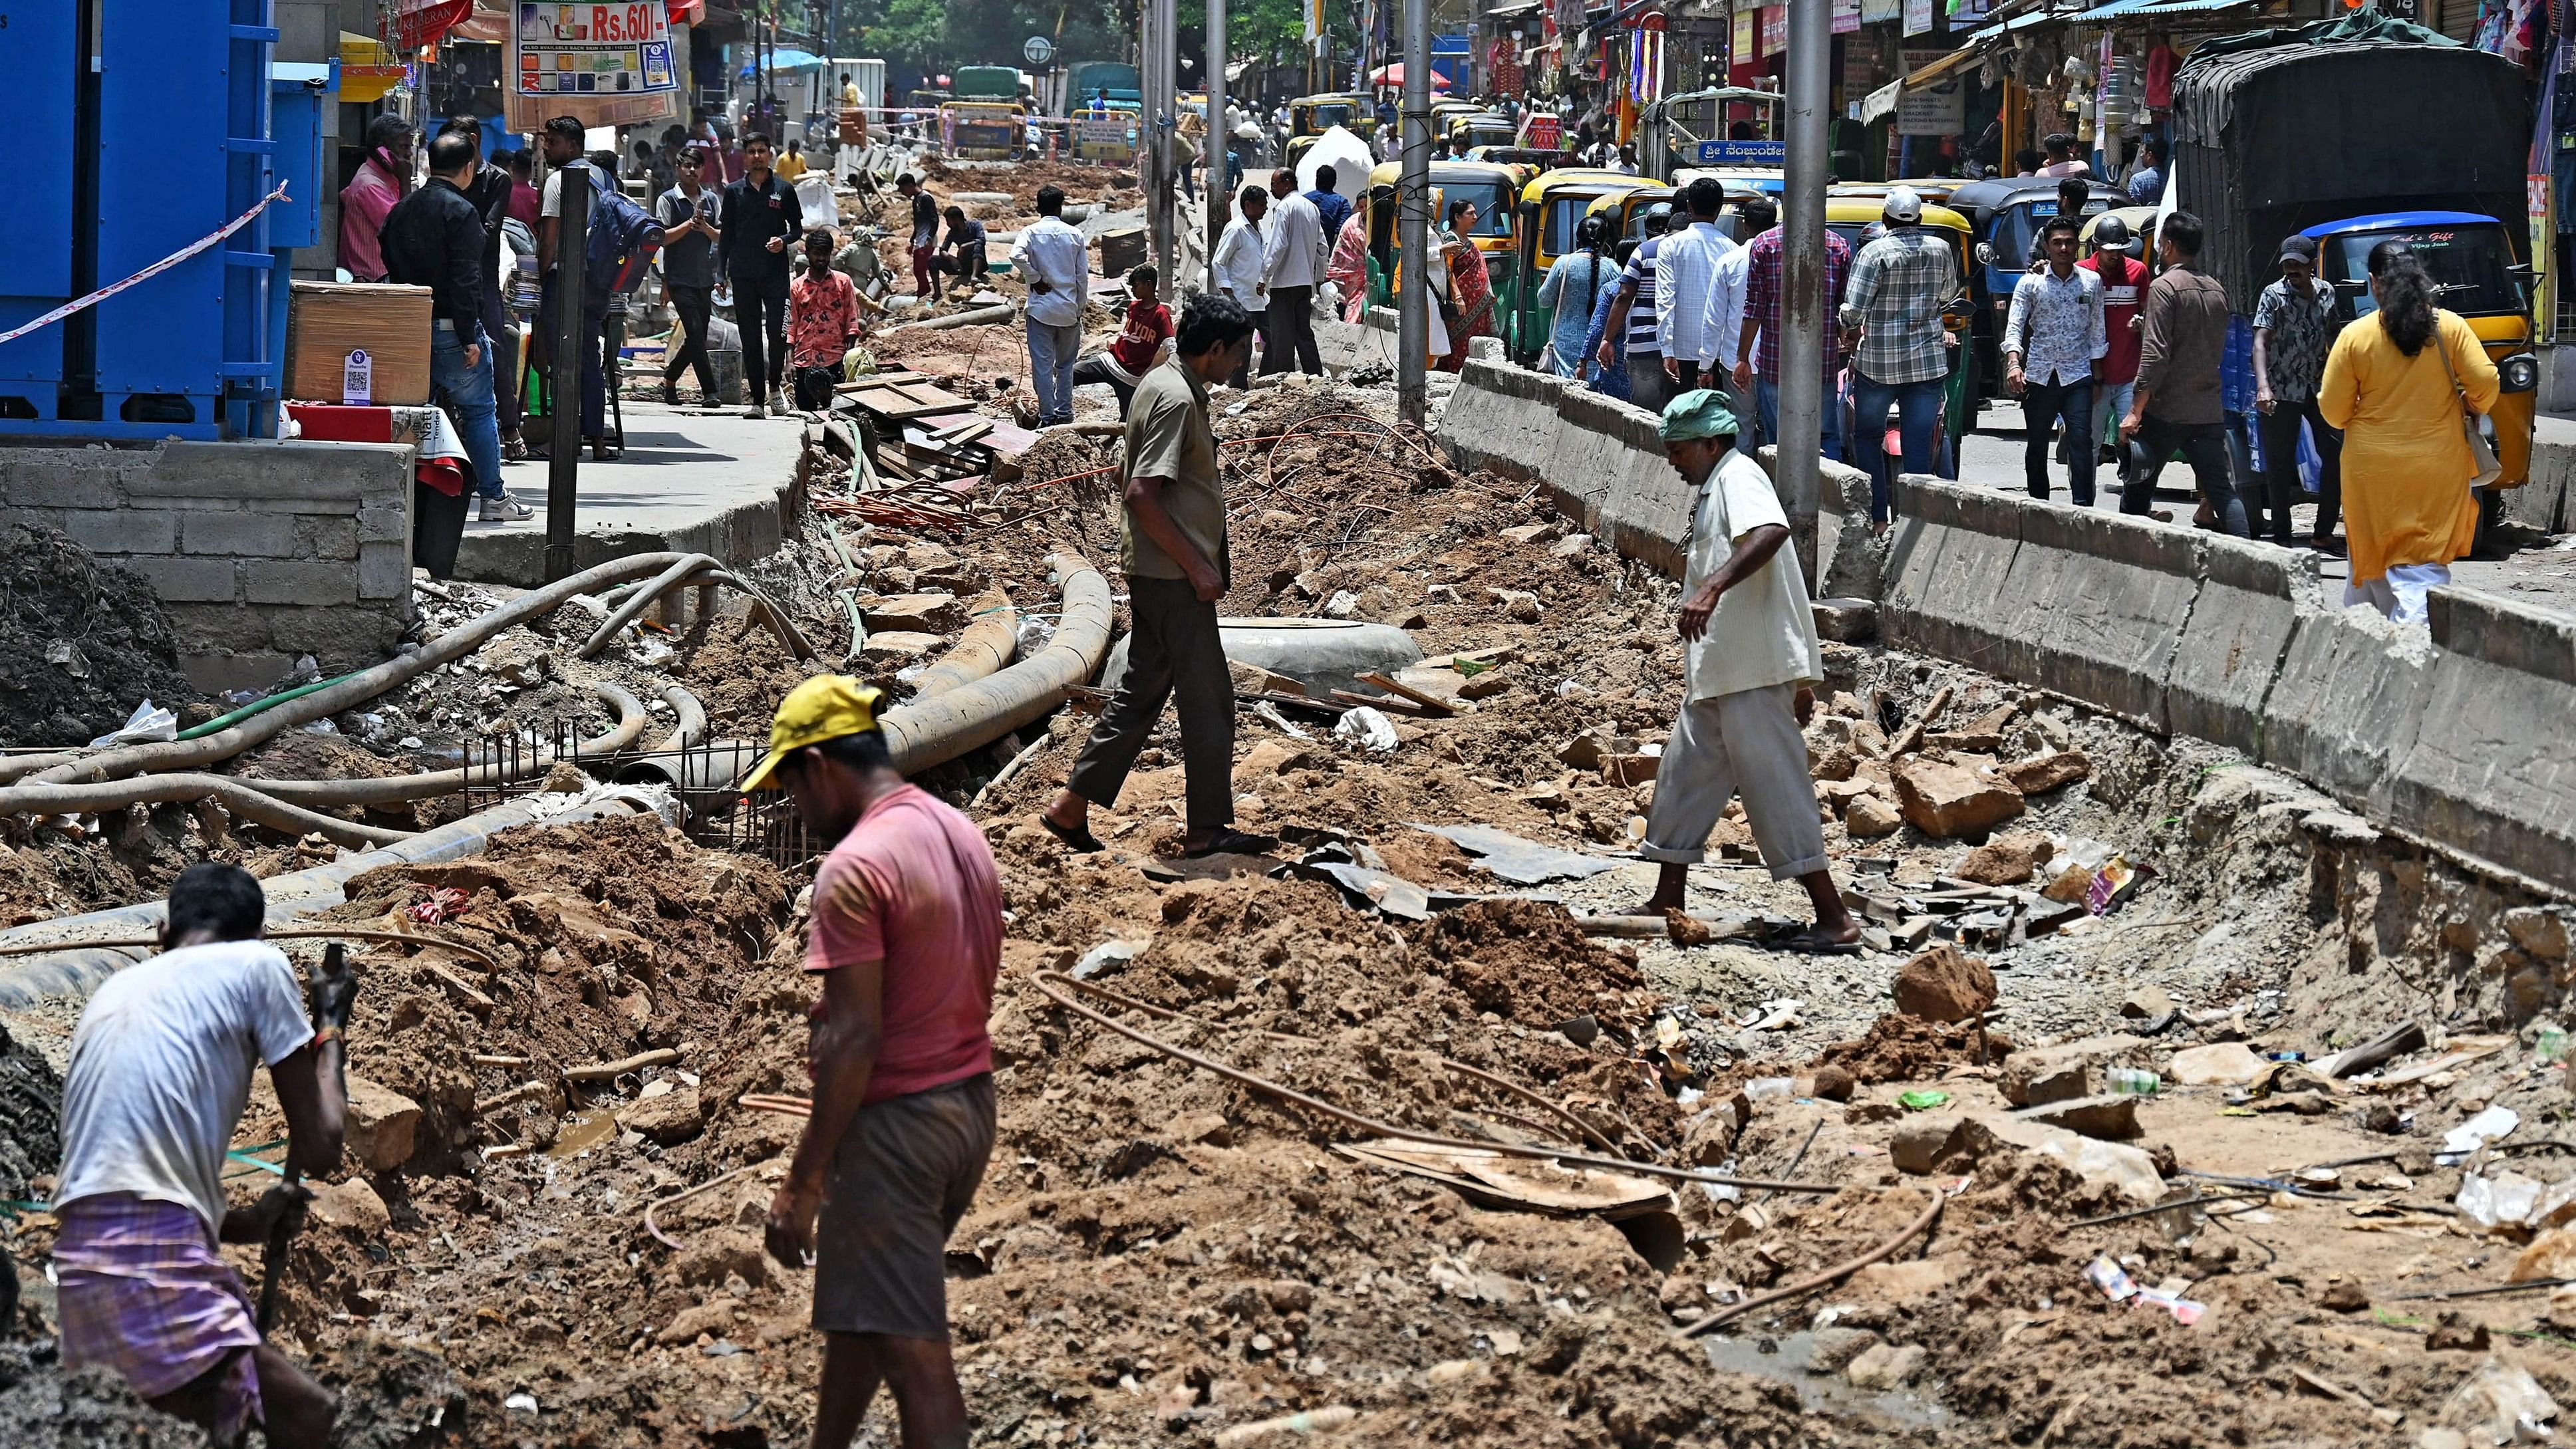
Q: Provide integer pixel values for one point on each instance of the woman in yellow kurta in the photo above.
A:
(2407, 507)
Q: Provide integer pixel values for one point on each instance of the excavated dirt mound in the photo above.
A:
(31, 1097)
(80, 644)
(42, 1407)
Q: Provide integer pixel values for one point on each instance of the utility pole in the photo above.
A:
(1413, 229)
(1802, 256)
(1217, 145)
(1160, 92)
(563, 378)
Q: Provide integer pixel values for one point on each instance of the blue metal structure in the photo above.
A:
(175, 122)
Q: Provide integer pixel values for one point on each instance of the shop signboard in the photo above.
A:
(1939, 109)
(1742, 153)
(1775, 29)
(1922, 17)
(1742, 35)
(1846, 16)
(609, 65)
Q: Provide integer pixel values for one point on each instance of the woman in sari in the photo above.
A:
(1349, 267)
(1471, 289)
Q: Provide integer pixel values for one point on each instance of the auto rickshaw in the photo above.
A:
(1490, 186)
(2471, 259)
(1479, 128)
(2141, 222)
(1850, 217)
(1543, 225)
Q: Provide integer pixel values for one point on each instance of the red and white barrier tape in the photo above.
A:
(147, 274)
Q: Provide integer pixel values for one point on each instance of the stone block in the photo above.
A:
(1849, 621)
(324, 536)
(384, 525)
(1887, 1366)
(674, 1116)
(61, 478)
(1921, 1142)
(384, 571)
(2036, 1076)
(1945, 798)
(352, 1204)
(924, 613)
(1944, 984)
(190, 580)
(897, 647)
(2112, 1118)
(297, 581)
(284, 470)
(240, 535)
(381, 1124)
(123, 530)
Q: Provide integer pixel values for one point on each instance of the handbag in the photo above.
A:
(2481, 456)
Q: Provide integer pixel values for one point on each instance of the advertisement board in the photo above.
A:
(609, 65)
(1940, 109)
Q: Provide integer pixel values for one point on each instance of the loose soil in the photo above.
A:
(81, 643)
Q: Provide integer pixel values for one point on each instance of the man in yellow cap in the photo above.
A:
(1751, 645)
(907, 937)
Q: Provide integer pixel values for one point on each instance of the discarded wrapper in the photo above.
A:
(2112, 1279)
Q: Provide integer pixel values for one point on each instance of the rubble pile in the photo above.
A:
(81, 644)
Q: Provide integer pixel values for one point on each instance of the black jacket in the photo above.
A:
(751, 216)
(434, 238)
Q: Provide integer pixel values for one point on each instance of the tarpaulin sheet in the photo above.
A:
(2270, 141)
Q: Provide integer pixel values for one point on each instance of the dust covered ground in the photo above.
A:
(1161, 1254)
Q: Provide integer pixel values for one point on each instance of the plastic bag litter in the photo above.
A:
(148, 725)
(1035, 634)
(1365, 726)
(2507, 1199)
(2501, 1404)
(2478, 1131)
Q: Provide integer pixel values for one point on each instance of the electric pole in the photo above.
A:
(1802, 257)
(1413, 325)
(1217, 145)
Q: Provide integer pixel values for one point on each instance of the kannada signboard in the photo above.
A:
(1775, 29)
(1742, 153)
(609, 65)
(1939, 109)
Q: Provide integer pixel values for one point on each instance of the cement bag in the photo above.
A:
(1349, 157)
(814, 193)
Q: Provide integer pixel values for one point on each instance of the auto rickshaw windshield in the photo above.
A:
(2468, 263)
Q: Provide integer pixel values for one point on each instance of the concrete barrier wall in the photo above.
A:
(261, 551)
(2456, 735)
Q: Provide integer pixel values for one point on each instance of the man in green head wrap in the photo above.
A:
(1750, 633)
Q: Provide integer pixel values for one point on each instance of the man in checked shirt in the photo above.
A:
(1900, 285)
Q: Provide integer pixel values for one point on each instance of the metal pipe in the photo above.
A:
(395, 789)
(977, 318)
(454, 644)
(1796, 474)
(983, 650)
(1413, 317)
(931, 731)
(563, 392)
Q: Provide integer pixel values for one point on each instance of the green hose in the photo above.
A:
(223, 722)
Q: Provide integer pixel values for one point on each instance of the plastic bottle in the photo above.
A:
(2549, 1046)
(2134, 1081)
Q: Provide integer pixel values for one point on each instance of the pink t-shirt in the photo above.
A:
(364, 204)
(913, 885)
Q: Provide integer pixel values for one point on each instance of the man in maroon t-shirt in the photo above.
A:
(1139, 345)
(2124, 291)
(907, 938)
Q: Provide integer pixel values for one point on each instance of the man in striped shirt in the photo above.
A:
(1634, 310)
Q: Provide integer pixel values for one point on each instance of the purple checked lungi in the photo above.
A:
(143, 1292)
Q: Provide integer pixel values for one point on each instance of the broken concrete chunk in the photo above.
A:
(1847, 621)
(1868, 817)
(1921, 1142)
(2146, 1003)
(2006, 859)
(381, 1124)
(2036, 1076)
(2228, 1063)
(2113, 1118)
(2042, 773)
(2128, 1170)
(1274, 757)
(1587, 750)
(1630, 771)
(1832, 1347)
(1944, 984)
(926, 613)
(674, 1116)
(1946, 799)
(2069, 886)
(351, 1204)
(2539, 931)
(898, 647)
(1885, 1367)
(1530, 532)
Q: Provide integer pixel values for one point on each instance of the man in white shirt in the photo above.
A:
(1057, 264)
(1239, 259)
(1752, 653)
(160, 1071)
(1699, 307)
(1291, 271)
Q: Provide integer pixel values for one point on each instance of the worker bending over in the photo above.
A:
(161, 1069)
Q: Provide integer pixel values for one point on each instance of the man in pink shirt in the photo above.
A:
(370, 196)
(907, 938)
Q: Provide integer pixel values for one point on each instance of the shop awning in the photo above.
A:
(2148, 9)
(1932, 74)
(787, 59)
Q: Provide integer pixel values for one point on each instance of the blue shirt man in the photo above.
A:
(1329, 203)
(2147, 183)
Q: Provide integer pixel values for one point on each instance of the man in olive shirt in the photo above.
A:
(2177, 406)
(1172, 547)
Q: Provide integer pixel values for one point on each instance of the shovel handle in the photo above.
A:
(273, 1259)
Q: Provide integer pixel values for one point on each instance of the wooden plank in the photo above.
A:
(1431, 704)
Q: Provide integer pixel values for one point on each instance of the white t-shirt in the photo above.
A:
(161, 1069)
(1764, 630)
(552, 204)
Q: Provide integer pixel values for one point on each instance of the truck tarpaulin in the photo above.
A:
(2272, 138)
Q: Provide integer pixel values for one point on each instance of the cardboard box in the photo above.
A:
(327, 321)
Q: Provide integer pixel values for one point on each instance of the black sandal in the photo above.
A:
(1077, 838)
(1234, 842)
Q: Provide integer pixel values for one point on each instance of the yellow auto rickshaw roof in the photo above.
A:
(1391, 173)
(1865, 209)
(1575, 178)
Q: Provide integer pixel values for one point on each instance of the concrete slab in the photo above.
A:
(691, 480)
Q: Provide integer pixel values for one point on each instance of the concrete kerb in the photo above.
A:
(2103, 634)
(1647, 512)
(2347, 703)
(2232, 646)
(1949, 555)
(2488, 771)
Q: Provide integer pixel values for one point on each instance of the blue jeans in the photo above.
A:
(1052, 352)
(468, 391)
(1918, 410)
(2042, 406)
(1829, 432)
